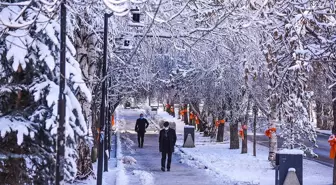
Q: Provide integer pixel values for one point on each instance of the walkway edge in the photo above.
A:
(121, 177)
(318, 131)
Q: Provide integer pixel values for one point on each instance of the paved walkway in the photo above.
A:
(147, 169)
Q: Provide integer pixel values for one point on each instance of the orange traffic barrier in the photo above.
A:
(183, 111)
(191, 116)
(332, 142)
(241, 133)
(217, 123)
(269, 131)
(197, 120)
(112, 120)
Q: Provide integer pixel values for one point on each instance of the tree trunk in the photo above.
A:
(310, 113)
(273, 140)
(172, 112)
(191, 121)
(167, 108)
(82, 45)
(325, 125)
(179, 111)
(84, 163)
(202, 122)
(186, 114)
(213, 129)
(334, 128)
(255, 111)
(94, 125)
(244, 141)
(220, 134)
(208, 124)
(221, 127)
(319, 123)
(234, 138)
(196, 110)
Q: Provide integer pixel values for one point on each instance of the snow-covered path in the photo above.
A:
(147, 171)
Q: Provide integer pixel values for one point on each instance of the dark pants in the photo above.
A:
(163, 159)
(141, 136)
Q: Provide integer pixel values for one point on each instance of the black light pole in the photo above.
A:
(109, 122)
(110, 113)
(106, 141)
(109, 128)
(60, 160)
(102, 106)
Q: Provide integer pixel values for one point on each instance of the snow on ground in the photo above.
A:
(145, 177)
(240, 168)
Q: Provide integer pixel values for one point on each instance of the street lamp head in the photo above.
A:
(136, 15)
(122, 7)
(136, 18)
(126, 43)
(118, 7)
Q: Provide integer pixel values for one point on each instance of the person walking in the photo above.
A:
(167, 140)
(140, 127)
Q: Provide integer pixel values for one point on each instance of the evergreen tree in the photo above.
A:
(29, 80)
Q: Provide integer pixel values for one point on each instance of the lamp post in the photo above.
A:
(107, 140)
(107, 133)
(109, 122)
(60, 159)
(102, 105)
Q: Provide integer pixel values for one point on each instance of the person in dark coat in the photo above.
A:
(167, 140)
(140, 127)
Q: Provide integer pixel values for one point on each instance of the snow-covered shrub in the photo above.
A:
(128, 160)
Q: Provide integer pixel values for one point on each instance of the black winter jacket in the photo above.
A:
(171, 138)
(141, 125)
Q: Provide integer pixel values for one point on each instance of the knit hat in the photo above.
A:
(166, 124)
